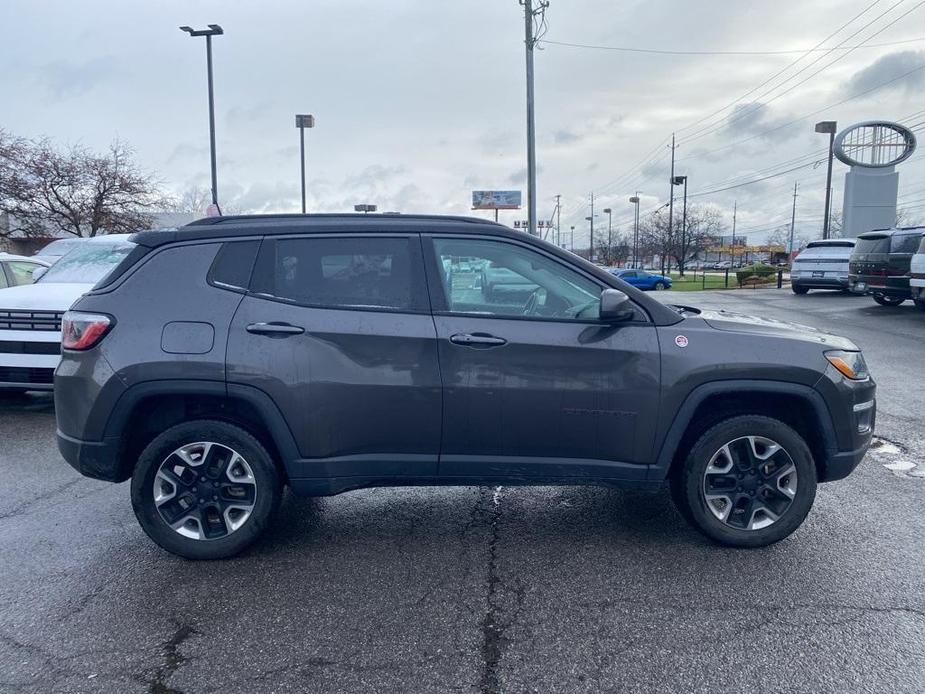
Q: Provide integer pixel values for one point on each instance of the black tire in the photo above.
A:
(888, 300)
(797, 289)
(659, 286)
(267, 489)
(920, 304)
(687, 482)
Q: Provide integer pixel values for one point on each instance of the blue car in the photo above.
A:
(641, 278)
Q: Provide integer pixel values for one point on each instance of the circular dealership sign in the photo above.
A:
(874, 144)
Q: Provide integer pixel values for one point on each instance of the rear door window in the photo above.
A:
(905, 243)
(352, 272)
(20, 271)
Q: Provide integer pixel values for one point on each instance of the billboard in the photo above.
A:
(495, 199)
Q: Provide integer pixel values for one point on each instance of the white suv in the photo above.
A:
(30, 314)
(917, 276)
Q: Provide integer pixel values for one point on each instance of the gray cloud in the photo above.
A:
(565, 137)
(373, 176)
(889, 67)
(757, 118)
(64, 79)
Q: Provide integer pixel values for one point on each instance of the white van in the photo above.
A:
(822, 265)
(917, 276)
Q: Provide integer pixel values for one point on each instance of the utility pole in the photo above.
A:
(571, 241)
(591, 238)
(609, 212)
(670, 203)
(558, 221)
(793, 220)
(732, 247)
(530, 42)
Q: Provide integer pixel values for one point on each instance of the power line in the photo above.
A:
(657, 51)
(748, 111)
(782, 71)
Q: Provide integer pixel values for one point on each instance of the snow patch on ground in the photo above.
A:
(893, 457)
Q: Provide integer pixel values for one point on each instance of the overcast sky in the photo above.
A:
(420, 101)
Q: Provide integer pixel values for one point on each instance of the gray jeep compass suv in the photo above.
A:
(221, 361)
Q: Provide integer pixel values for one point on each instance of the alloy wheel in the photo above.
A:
(204, 490)
(750, 483)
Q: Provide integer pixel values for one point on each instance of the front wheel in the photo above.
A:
(797, 289)
(888, 300)
(659, 286)
(747, 482)
(205, 489)
(920, 304)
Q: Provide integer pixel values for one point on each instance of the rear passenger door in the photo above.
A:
(337, 331)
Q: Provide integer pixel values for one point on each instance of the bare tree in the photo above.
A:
(612, 249)
(75, 190)
(704, 224)
(195, 200)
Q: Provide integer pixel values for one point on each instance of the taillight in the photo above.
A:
(81, 330)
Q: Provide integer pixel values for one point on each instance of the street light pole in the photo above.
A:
(301, 122)
(571, 240)
(828, 126)
(609, 212)
(635, 201)
(213, 30)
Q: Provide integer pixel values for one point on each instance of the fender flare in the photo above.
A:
(262, 403)
(685, 414)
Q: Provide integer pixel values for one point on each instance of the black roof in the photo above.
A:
(267, 224)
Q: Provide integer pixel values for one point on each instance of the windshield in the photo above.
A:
(89, 263)
(59, 248)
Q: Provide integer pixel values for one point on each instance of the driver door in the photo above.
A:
(534, 385)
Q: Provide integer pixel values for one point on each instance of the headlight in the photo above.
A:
(850, 364)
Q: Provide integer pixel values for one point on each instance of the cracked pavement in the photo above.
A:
(546, 589)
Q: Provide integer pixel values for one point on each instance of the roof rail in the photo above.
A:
(391, 216)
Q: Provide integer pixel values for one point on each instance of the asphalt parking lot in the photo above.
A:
(550, 589)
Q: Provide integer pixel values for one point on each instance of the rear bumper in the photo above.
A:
(820, 282)
(96, 459)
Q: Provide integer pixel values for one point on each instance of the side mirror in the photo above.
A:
(616, 306)
(38, 272)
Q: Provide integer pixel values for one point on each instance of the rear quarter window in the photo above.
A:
(233, 264)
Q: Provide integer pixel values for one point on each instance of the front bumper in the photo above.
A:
(852, 407)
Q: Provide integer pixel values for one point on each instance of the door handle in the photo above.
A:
(477, 340)
(274, 329)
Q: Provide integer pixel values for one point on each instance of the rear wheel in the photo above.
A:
(797, 289)
(920, 304)
(747, 482)
(887, 300)
(205, 489)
